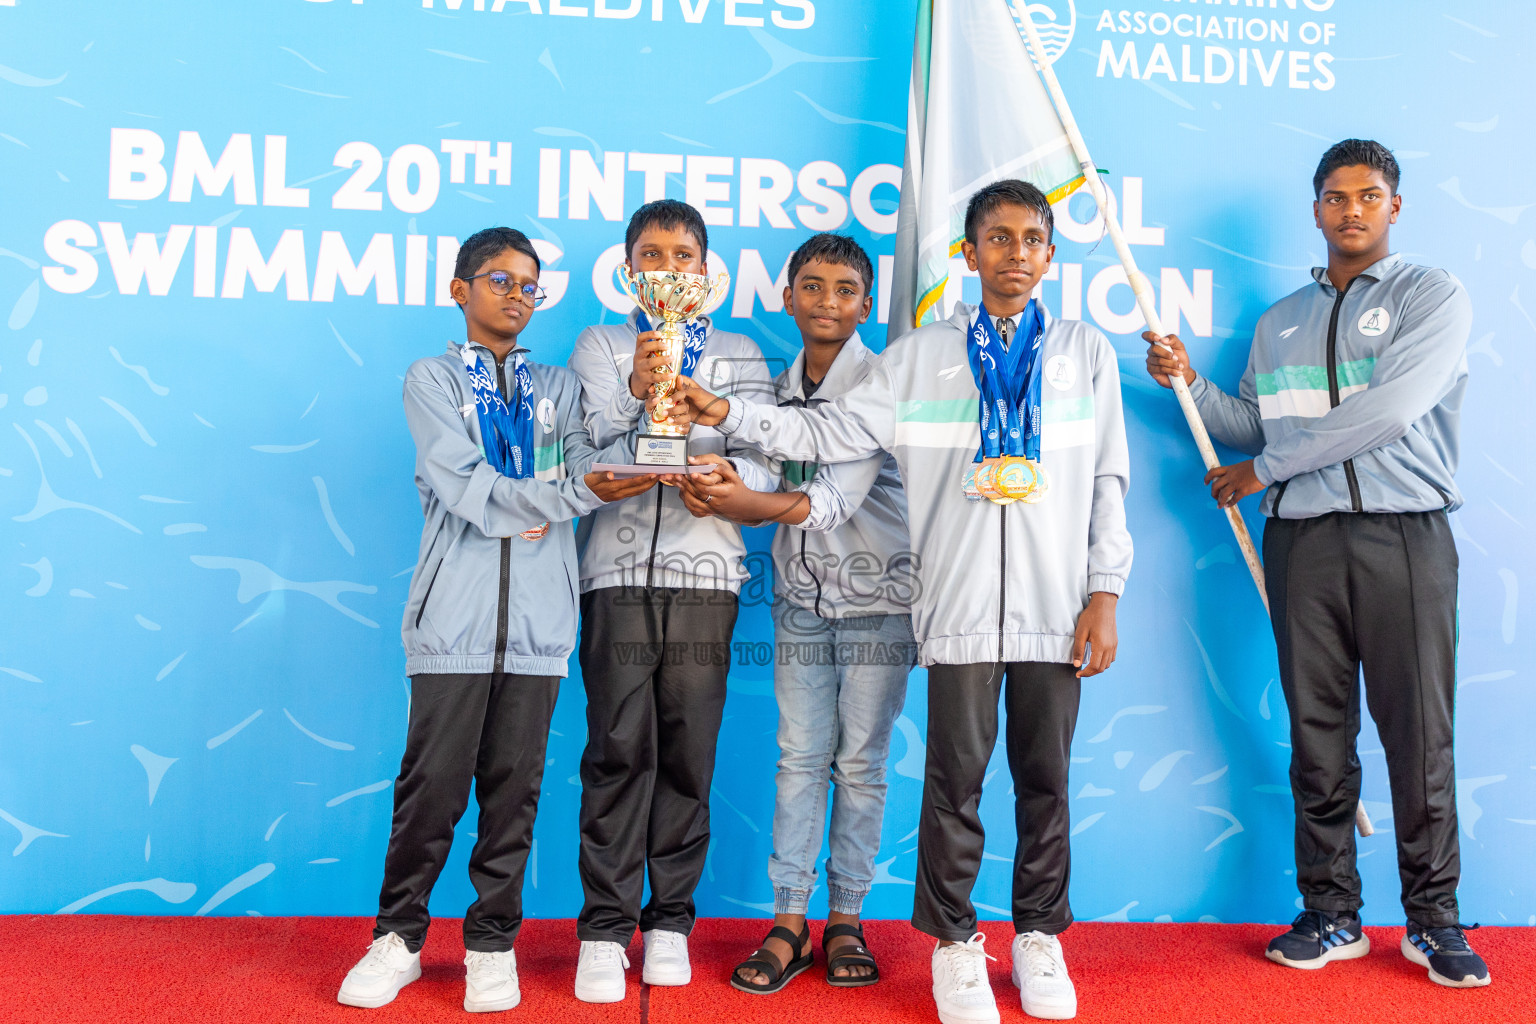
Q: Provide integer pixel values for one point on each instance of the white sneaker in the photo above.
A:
(666, 958)
(380, 975)
(600, 972)
(1040, 971)
(960, 986)
(490, 982)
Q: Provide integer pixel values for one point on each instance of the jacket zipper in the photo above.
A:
(1002, 587)
(807, 565)
(1333, 389)
(502, 596)
(800, 403)
(650, 565)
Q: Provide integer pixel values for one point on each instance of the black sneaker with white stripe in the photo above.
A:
(1318, 938)
(1447, 954)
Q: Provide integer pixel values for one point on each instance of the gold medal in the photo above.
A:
(1022, 479)
(1015, 477)
(986, 483)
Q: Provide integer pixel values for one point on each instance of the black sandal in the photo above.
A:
(858, 956)
(765, 962)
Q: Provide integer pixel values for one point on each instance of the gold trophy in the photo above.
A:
(669, 297)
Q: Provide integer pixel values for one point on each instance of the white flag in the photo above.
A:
(977, 112)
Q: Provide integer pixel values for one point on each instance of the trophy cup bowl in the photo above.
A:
(669, 297)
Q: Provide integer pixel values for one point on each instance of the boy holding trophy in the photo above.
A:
(1015, 475)
(658, 604)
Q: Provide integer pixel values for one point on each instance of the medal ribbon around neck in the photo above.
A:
(1007, 460)
(506, 434)
(693, 344)
(1009, 381)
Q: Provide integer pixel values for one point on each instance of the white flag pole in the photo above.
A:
(1139, 284)
(1146, 302)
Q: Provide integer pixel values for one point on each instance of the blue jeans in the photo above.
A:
(840, 685)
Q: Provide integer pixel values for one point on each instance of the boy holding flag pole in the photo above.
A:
(1351, 403)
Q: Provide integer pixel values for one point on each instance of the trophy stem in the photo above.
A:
(671, 339)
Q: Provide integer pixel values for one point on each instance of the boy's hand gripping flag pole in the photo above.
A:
(1145, 301)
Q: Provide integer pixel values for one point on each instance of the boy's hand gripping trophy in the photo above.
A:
(671, 298)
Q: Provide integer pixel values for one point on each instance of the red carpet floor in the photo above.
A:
(125, 970)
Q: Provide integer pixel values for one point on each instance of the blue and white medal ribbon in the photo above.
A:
(693, 342)
(1007, 463)
(506, 434)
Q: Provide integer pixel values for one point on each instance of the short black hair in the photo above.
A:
(829, 248)
(667, 214)
(488, 243)
(1008, 192)
(1357, 153)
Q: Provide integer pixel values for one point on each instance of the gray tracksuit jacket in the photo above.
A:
(1352, 400)
(996, 582)
(835, 563)
(482, 593)
(652, 540)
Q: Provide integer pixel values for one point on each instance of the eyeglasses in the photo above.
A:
(501, 283)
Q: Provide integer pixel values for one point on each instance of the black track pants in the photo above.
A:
(654, 663)
(1042, 701)
(1376, 590)
(463, 729)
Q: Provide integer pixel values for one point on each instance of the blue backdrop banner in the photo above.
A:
(227, 230)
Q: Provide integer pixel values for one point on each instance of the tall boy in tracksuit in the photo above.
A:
(490, 620)
(1008, 591)
(658, 604)
(844, 580)
(1351, 404)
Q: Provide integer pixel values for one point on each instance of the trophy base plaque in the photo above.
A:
(667, 451)
(662, 454)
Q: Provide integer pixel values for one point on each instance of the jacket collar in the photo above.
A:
(964, 314)
(456, 348)
(1376, 271)
(840, 375)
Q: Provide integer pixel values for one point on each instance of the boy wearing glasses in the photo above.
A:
(658, 604)
(500, 455)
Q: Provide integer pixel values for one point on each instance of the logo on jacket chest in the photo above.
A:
(1060, 372)
(713, 372)
(546, 414)
(1373, 323)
